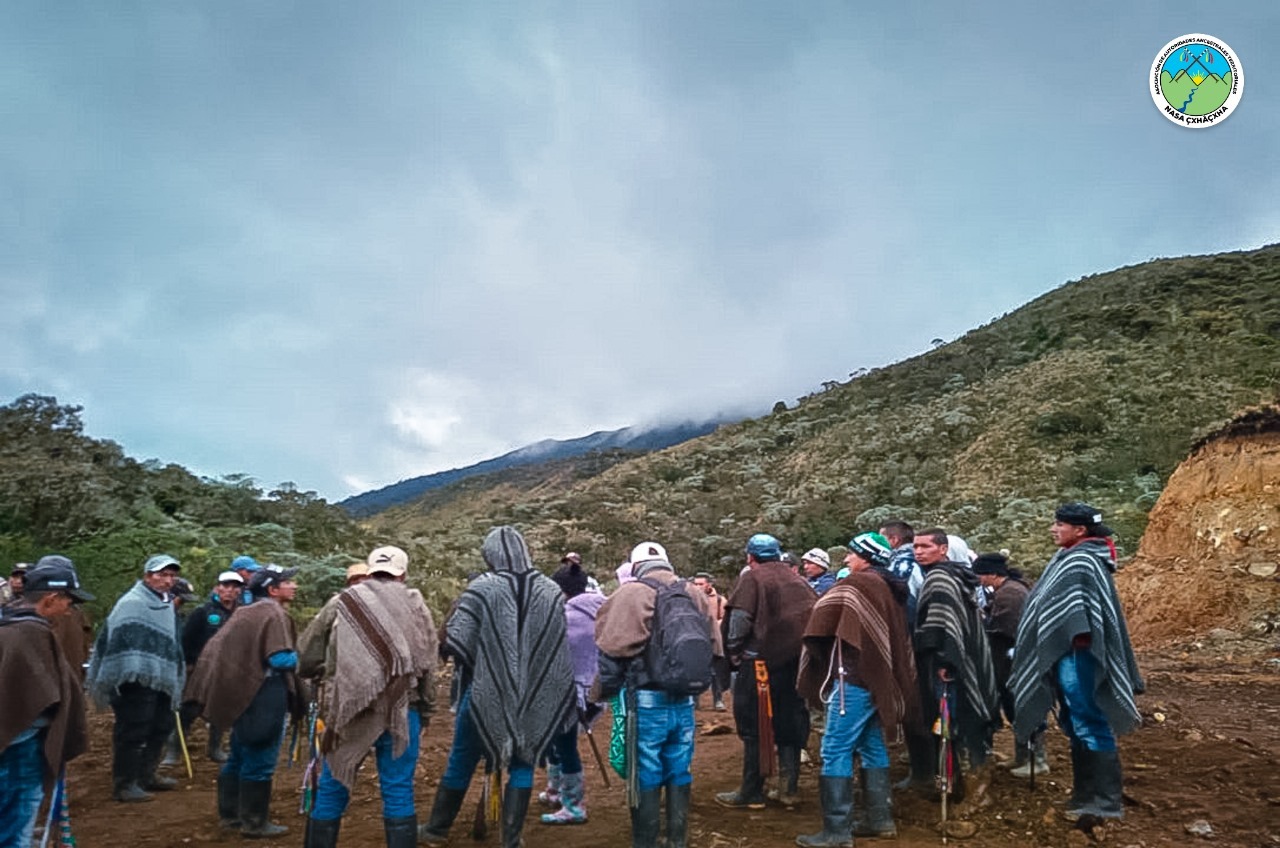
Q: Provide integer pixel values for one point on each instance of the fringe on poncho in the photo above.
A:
(1076, 594)
(509, 631)
(137, 644)
(861, 612)
(384, 643)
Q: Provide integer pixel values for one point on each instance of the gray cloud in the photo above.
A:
(345, 244)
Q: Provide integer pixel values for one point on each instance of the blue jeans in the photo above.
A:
(855, 732)
(664, 739)
(252, 763)
(1079, 715)
(467, 751)
(21, 790)
(395, 777)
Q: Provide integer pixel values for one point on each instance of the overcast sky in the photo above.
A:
(344, 243)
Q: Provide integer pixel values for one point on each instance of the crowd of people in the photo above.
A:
(915, 639)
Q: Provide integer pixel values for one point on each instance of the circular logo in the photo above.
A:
(1196, 81)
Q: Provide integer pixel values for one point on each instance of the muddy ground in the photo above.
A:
(1209, 751)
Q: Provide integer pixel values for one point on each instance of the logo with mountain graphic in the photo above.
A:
(1196, 81)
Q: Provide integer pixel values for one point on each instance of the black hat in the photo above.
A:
(571, 579)
(1082, 515)
(55, 573)
(269, 575)
(991, 564)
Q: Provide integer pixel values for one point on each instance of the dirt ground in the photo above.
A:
(1208, 750)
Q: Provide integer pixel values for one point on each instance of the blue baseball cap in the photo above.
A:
(764, 547)
(245, 563)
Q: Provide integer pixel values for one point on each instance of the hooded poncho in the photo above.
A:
(138, 644)
(949, 632)
(509, 632)
(861, 612)
(1076, 594)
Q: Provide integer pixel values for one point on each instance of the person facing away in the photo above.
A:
(244, 680)
(565, 785)
(1073, 644)
(857, 663)
(137, 669)
(374, 646)
(507, 639)
(42, 713)
(661, 749)
(764, 625)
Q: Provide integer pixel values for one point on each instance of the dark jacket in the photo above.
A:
(203, 622)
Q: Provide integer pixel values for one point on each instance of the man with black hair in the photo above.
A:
(763, 629)
(42, 716)
(201, 626)
(953, 658)
(902, 562)
(1073, 646)
(137, 669)
(244, 680)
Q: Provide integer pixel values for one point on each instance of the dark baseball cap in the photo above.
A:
(269, 575)
(55, 573)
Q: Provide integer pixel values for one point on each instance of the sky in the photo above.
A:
(344, 244)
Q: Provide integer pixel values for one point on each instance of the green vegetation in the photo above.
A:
(62, 491)
(1210, 94)
(1093, 391)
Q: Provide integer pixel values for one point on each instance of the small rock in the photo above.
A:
(1200, 828)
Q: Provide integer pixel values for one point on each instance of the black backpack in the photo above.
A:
(678, 656)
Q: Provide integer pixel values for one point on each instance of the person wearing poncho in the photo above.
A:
(858, 666)
(764, 621)
(952, 657)
(374, 644)
(42, 718)
(1073, 644)
(507, 637)
(138, 670)
(245, 680)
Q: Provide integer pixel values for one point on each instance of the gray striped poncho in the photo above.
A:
(949, 632)
(1076, 594)
(508, 630)
(138, 644)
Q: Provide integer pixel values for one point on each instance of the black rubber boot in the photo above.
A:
(515, 803)
(401, 832)
(150, 780)
(788, 792)
(214, 748)
(923, 751)
(836, 794)
(645, 822)
(678, 815)
(751, 794)
(876, 816)
(228, 801)
(1103, 781)
(323, 833)
(443, 811)
(126, 770)
(255, 806)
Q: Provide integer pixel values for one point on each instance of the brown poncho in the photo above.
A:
(861, 612)
(233, 664)
(39, 681)
(778, 601)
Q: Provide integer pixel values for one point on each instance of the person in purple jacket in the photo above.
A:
(564, 764)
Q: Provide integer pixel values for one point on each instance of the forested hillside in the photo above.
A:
(1095, 390)
(62, 491)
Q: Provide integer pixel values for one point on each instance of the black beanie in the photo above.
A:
(571, 579)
